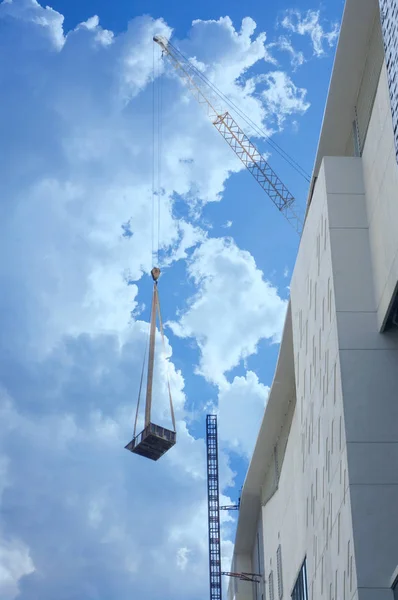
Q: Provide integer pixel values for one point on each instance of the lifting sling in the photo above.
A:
(155, 312)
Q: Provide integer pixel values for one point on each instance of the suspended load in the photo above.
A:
(154, 440)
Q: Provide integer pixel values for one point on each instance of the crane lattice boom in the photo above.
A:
(232, 133)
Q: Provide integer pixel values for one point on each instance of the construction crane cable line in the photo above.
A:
(260, 132)
(153, 157)
(154, 440)
(245, 150)
(157, 107)
(159, 167)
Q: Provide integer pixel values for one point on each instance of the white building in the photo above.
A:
(322, 486)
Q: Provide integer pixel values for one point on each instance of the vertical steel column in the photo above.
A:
(213, 508)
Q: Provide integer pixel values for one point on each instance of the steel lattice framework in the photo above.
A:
(232, 133)
(251, 577)
(213, 508)
(230, 507)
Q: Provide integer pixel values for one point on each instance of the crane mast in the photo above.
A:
(213, 508)
(213, 504)
(232, 133)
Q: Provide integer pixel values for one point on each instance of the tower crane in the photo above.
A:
(226, 125)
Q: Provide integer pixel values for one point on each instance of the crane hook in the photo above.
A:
(155, 274)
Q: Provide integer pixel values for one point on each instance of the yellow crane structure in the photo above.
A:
(210, 99)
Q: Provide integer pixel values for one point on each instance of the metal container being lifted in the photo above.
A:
(154, 441)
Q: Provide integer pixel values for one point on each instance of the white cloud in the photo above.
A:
(15, 563)
(248, 50)
(241, 406)
(30, 11)
(227, 73)
(309, 23)
(103, 36)
(233, 309)
(297, 58)
(182, 558)
(15, 559)
(282, 97)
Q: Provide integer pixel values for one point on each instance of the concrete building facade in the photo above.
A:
(319, 507)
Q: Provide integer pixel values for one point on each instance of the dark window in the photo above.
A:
(395, 588)
(300, 591)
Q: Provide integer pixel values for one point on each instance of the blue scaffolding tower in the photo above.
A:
(213, 508)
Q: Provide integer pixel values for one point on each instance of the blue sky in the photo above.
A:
(80, 516)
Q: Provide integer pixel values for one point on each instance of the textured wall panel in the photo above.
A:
(389, 20)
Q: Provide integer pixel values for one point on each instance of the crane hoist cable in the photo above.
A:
(153, 159)
(160, 149)
(154, 440)
(232, 133)
(157, 107)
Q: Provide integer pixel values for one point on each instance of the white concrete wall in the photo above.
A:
(309, 515)
(381, 186)
(328, 528)
(353, 398)
(337, 495)
(282, 519)
(346, 419)
(237, 589)
(365, 272)
(258, 560)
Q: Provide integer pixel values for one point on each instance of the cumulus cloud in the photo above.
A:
(49, 21)
(228, 75)
(309, 23)
(297, 58)
(15, 563)
(88, 522)
(241, 406)
(97, 518)
(15, 559)
(248, 49)
(233, 309)
(282, 97)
